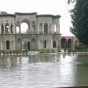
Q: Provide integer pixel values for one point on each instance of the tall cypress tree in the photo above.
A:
(79, 17)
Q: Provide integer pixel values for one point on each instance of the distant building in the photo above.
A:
(43, 31)
(68, 41)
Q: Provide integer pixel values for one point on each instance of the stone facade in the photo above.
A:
(43, 32)
(68, 41)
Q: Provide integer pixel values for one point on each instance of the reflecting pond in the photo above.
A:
(43, 71)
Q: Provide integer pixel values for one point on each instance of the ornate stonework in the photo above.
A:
(43, 31)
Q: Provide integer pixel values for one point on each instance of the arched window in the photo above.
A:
(54, 44)
(40, 26)
(33, 47)
(24, 26)
(28, 45)
(2, 28)
(45, 28)
(7, 45)
(17, 29)
(44, 43)
(55, 28)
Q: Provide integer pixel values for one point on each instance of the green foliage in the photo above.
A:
(71, 50)
(43, 51)
(81, 48)
(70, 1)
(59, 50)
(79, 17)
(47, 51)
(3, 13)
(13, 51)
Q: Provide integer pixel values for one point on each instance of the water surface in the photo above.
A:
(43, 71)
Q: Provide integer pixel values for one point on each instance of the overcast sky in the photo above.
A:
(41, 7)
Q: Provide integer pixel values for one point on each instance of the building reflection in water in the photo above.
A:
(16, 61)
(44, 58)
(10, 62)
(54, 69)
(66, 70)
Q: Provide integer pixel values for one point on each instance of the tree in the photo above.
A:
(79, 17)
(3, 13)
(71, 1)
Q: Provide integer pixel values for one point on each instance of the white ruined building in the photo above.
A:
(43, 31)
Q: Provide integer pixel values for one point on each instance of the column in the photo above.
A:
(9, 28)
(53, 28)
(0, 29)
(4, 28)
(19, 29)
(11, 45)
(43, 27)
(14, 29)
(49, 28)
(57, 26)
(50, 44)
(0, 45)
(4, 45)
(30, 27)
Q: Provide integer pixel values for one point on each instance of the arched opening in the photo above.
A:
(69, 43)
(18, 43)
(7, 45)
(63, 43)
(44, 43)
(45, 28)
(7, 28)
(28, 45)
(2, 29)
(54, 44)
(55, 28)
(24, 27)
(17, 29)
(24, 45)
(33, 47)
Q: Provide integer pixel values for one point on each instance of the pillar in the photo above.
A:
(19, 29)
(4, 28)
(57, 26)
(9, 28)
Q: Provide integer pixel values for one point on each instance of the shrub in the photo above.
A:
(47, 51)
(71, 50)
(43, 51)
(81, 48)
